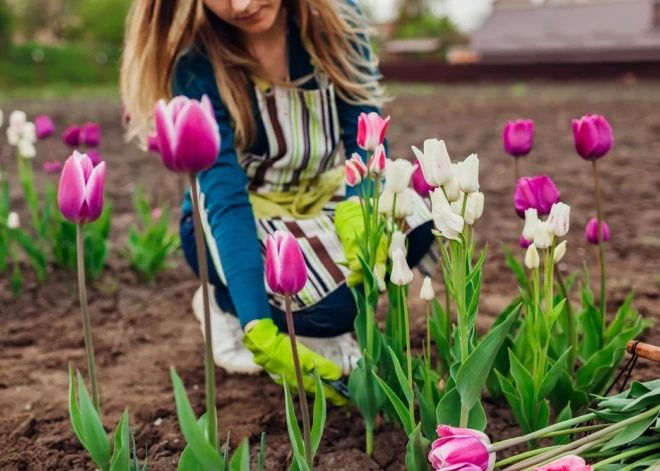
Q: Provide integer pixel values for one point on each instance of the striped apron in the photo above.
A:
(304, 146)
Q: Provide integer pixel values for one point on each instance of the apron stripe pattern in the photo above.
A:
(303, 133)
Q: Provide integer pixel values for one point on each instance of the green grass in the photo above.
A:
(74, 92)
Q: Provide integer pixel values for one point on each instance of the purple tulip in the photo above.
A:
(187, 134)
(94, 156)
(419, 183)
(90, 134)
(593, 136)
(524, 243)
(71, 136)
(461, 449)
(518, 137)
(44, 126)
(286, 272)
(52, 167)
(537, 192)
(80, 194)
(591, 231)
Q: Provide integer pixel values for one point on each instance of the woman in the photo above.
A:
(287, 80)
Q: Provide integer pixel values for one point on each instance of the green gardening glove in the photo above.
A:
(349, 223)
(272, 351)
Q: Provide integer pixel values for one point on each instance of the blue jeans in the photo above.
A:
(331, 317)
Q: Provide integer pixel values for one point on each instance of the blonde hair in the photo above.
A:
(158, 32)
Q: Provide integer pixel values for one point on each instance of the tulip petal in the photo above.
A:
(198, 139)
(293, 276)
(383, 129)
(273, 264)
(175, 106)
(448, 431)
(568, 463)
(165, 135)
(94, 193)
(71, 191)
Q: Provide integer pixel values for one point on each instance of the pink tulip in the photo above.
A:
(156, 213)
(187, 134)
(80, 194)
(360, 166)
(71, 136)
(567, 463)
(591, 231)
(378, 161)
(420, 184)
(538, 192)
(44, 126)
(518, 137)
(524, 243)
(52, 167)
(94, 156)
(353, 175)
(152, 142)
(461, 449)
(286, 272)
(371, 130)
(593, 136)
(90, 134)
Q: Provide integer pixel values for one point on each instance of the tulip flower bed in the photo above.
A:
(141, 329)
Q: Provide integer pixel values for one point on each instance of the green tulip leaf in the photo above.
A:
(565, 414)
(97, 443)
(448, 412)
(630, 433)
(524, 384)
(318, 424)
(262, 452)
(551, 377)
(401, 409)
(121, 456)
(401, 377)
(241, 459)
(417, 451)
(292, 422)
(188, 460)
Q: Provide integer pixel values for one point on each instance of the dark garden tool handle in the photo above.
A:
(644, 350)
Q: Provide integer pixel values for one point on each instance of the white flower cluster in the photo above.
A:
(21, 133)
(543, 233)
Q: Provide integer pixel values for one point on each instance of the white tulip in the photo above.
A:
(439, 200)
(559, 219)
(435, 162)
(427, 293)
(468, 175)
(542, 236)
(17, 119)
(449, 224)
(13, 221)
(29, 132)
(532, 259)
(13, 136)
(398, 174)
(398, 242)
(474, 207)
(452, 190)
(531, 219)
(26, 149)
(405, 205)
(386, 202)
(560, 251)
(401, 275)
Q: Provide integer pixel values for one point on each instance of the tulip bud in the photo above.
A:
(71, 136)
(542, 236)
(532, 259)
(405, 206)
(468, 175)
(26, 149)
(524, 243)
(474, 207)
(80, 194)
(591, 231)
(427, 293)
(439, 200)
(452, 189)
(449, 225)
(17, 119)
(531, 219)
(187, 134)
(398, 242)
(13, 221)
(538, 192)
(559, 219)
(90, 134)
(419, 183)
(29, 132)
(353, 176)
(401, 275)
(518, 137)
(356, 159)
(44, 126)
(560, 251)
(435, 162)
(52, 167)
(593, 136)
(461, 449)
(378, 162)
(371, 130)
(286, 272)
(13, 136)
(398, 174)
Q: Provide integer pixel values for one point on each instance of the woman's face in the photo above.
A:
(250, 16)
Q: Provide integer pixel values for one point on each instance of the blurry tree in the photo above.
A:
(103, 20)
(6, 26)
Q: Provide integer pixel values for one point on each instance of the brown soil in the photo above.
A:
(142, 330)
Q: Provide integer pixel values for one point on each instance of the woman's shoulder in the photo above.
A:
(193, 67)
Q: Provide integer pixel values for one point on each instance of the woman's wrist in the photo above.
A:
(250, 325)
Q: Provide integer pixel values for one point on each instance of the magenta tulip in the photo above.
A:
(90, 134)
(538, 192)
(80, 194)
(360, 166)
(52, 167)
(44, 126)
(420, 184)
(593, 136)
(187, 134)
(286, 272)
(591, 231)
(371, 130)
(461, 449)
(524, 243)
(378, 161)
(353, 175)
(518, 137)
(152, 142)
(94, 156)
(567, 463)
(71, 136)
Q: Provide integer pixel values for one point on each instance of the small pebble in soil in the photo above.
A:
(581, 252)
(158, 421)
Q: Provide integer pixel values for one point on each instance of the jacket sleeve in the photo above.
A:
(227, 215)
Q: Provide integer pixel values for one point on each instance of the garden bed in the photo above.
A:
(141, 330)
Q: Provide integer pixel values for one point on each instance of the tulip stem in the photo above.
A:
(601, 246)
(572, 337)
(406, 319)
(209, 364)
(428, 333)
(87, 326)
(309, 458)
(626, 454)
